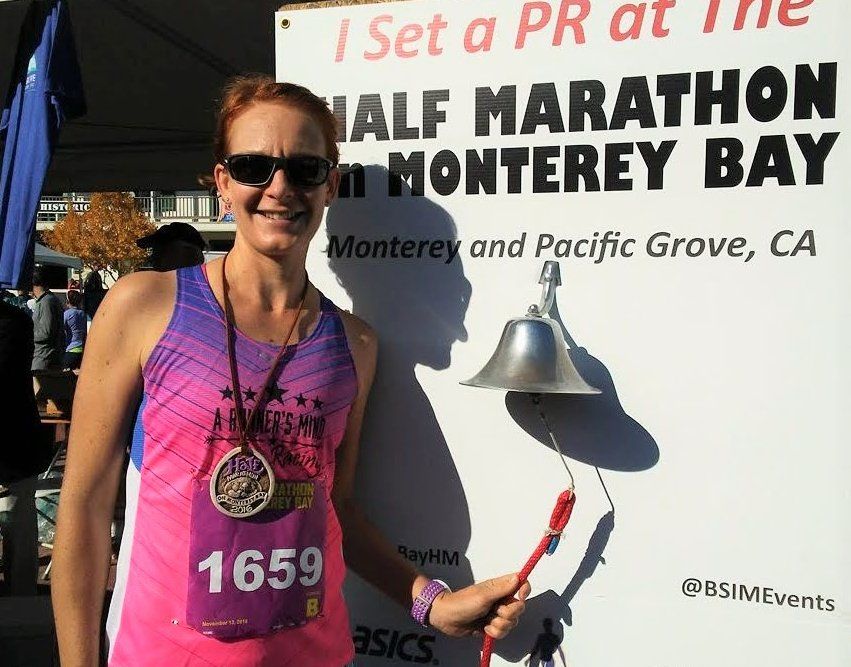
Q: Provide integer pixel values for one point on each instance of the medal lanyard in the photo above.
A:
(243, 422)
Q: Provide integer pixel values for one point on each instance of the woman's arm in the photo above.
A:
(367, 551)
(108, 389)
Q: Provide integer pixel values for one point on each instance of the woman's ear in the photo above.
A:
(222, 179)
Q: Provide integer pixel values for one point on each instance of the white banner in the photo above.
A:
(687, 165)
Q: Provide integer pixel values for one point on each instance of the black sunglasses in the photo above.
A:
(303, 171)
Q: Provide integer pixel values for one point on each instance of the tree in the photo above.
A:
(104, 237)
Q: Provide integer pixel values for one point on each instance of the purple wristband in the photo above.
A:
(422, 603)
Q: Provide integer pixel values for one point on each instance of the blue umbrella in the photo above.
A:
(46, 89)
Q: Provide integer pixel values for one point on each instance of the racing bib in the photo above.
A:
(252, 576)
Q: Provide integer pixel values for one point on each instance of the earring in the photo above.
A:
(228, 213)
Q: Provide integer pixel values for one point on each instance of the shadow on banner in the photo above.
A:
(408, 482)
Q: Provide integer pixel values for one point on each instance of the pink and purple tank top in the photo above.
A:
(197, 587)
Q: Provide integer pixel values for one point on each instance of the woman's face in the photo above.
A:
(279, 218)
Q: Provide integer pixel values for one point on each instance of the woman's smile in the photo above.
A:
(285, 216)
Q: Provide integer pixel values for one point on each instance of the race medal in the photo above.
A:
(242, 483)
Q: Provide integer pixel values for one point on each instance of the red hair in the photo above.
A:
(241, 92)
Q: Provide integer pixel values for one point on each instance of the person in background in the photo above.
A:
(22, 455)
(19, 300)
(8, 297)
(173, 246)
(48, 326)
(75, 330)
(93, 293)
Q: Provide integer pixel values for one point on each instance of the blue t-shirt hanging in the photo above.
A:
(46, 90)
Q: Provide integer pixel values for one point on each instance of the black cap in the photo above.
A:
(174, 231)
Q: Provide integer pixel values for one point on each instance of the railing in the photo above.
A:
(159, 208)
(167, 208)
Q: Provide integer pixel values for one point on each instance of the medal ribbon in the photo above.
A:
(243, 422)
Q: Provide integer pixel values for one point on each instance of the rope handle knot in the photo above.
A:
(562, 510)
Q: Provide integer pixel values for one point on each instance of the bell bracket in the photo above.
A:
(550, 279)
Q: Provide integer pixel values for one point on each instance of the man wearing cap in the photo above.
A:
(173, 246)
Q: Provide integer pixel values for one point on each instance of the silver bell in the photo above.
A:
(532, 354)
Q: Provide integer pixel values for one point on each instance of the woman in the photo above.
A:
(251, 388)
(75, 330)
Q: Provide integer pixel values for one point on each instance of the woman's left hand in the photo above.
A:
(491, 606)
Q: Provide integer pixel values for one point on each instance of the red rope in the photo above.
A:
(558, 520)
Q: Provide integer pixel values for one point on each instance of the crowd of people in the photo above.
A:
(40, 331)
(59, 323)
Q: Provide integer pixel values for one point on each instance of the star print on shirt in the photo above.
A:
(249, 394)
(275, 393)
(301, 400)
(316, 403)
(227, 392)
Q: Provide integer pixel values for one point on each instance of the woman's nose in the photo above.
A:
(279, 184)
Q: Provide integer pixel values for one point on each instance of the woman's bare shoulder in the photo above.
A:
(358, 332)
(363, 345)
(138, 307)
(140, 293)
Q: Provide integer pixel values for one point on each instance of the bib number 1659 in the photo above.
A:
(281, 572)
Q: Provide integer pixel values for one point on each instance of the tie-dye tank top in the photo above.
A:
(194, 586)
